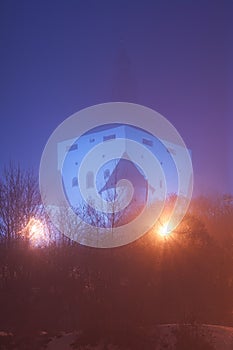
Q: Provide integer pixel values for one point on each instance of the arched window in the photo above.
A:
(90, 179)
(74, 182)
(106, 173)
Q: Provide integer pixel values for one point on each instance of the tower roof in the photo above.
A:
(125, 169)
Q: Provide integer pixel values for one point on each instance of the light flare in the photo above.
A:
(36, 232)
(164, 230)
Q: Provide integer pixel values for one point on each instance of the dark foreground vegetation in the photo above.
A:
(120, 292)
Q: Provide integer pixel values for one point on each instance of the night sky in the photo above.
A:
(58, 57)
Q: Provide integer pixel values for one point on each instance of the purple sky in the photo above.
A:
(58, 57)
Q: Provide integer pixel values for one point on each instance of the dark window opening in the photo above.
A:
(147, 142)
(109, 137)
(72, 147)
(74, 182)
(106, 173)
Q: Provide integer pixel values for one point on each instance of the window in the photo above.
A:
(147, 142)
(74, 182)
(106, 174)
(109, 137)
(72, 147)
(90, 180)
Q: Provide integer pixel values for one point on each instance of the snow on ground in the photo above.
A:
(222, 338)
(62, 342)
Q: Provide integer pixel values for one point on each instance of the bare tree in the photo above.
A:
(19, 200)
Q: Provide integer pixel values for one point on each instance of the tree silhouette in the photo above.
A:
(19, 201)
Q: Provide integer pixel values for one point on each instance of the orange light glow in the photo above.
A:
(36, 232)
(164, 231)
